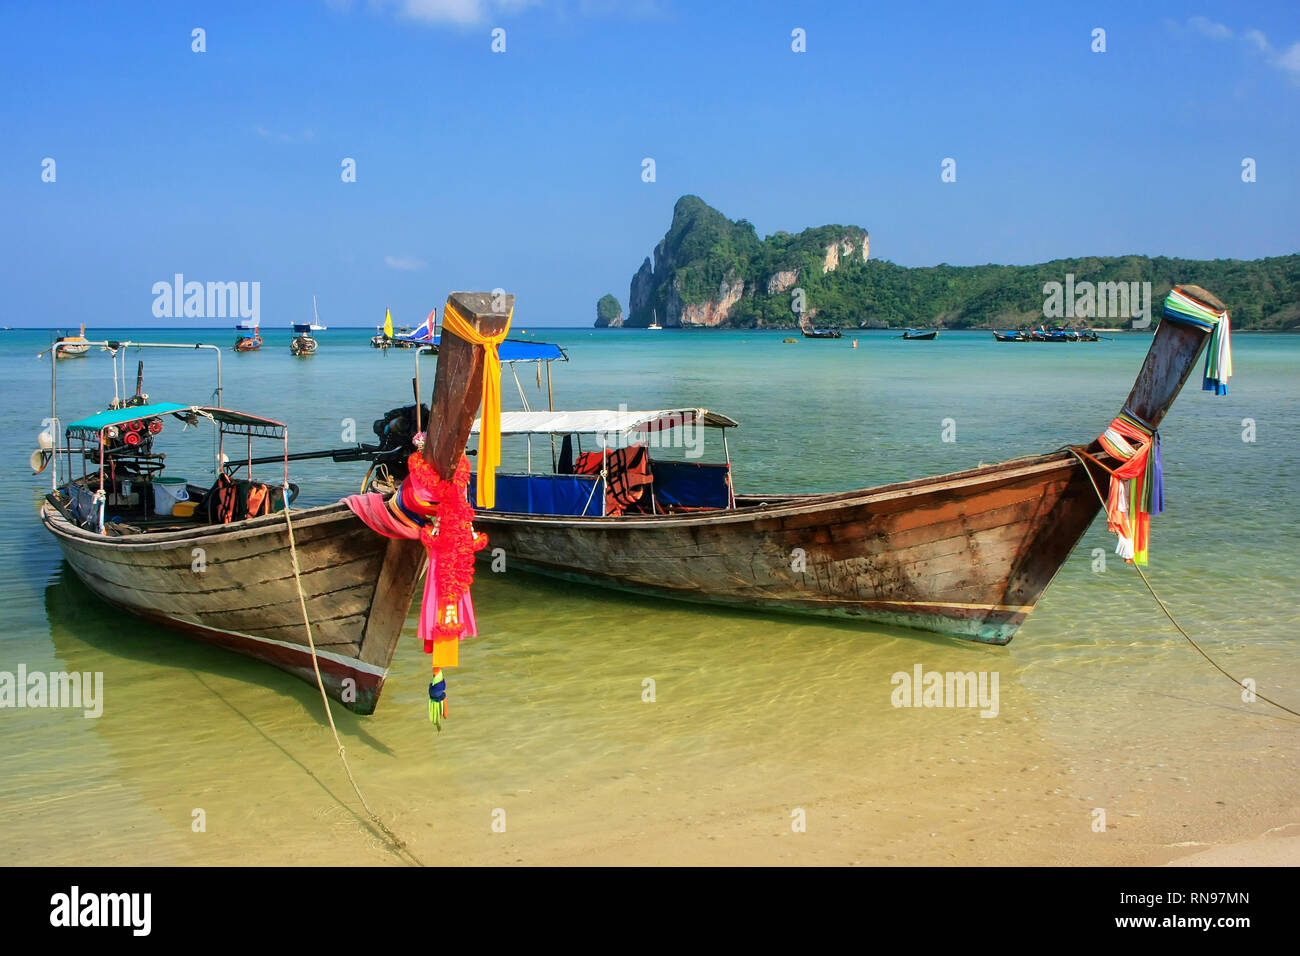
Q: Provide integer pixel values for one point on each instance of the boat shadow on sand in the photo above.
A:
(80, 620)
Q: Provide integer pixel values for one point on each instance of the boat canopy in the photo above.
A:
(513, 350)
(302, 328)
(231, 421)
(606, 422)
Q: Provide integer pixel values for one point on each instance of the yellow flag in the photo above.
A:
(388, 323)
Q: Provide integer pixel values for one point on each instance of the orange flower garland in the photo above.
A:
(449, 536)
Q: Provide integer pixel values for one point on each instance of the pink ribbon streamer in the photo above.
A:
(372, 508)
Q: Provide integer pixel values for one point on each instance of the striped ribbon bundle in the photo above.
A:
(1181, 307)
(1136, 486)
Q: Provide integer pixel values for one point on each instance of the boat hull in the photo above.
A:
(233, 586)
(967, 554)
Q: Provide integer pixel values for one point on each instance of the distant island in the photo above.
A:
(712, 272)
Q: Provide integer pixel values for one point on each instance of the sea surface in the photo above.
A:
(593, 727)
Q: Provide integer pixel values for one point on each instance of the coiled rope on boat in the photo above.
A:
(1079, 456)
(397, 843)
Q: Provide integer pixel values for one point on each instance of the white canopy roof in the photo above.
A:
(604, 421)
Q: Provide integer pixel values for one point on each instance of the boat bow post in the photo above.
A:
(431, 504)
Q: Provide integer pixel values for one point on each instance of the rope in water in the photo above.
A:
(398, 844)
(1079, 456)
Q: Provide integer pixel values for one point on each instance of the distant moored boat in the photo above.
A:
(303, 343)
(71, 346)
(247, 343)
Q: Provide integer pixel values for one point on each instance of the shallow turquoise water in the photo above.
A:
(548, 717)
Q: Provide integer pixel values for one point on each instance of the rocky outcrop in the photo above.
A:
(832, 261)
(609, 314)
(711, 312)
(844, 247)
(642, 286)
(782, 280)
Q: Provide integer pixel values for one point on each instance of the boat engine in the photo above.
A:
(396, 430)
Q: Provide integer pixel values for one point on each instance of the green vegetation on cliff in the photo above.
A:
(703, 252)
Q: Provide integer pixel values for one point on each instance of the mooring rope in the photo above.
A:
(398, 844)
(1079, 455)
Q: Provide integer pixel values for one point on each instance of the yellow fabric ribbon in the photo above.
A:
(489, 435)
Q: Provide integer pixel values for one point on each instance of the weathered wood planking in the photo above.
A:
(358, 588)
(944, 554)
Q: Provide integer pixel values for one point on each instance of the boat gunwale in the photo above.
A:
(163, 540)
(793, 504)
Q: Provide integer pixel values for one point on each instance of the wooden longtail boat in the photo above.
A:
(358, 585)
(247, 343)
(303, 342)
(916, 335)
(232, 584)
(72, 346)
(968, 553)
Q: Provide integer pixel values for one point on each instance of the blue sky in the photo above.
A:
(523, 169)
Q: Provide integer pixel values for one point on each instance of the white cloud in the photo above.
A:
(404, 263)
(1208, 28)
(458, 12)
(470, 12)
(1288, 60)
(1257, 39)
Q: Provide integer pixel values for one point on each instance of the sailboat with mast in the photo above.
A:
(383, 337)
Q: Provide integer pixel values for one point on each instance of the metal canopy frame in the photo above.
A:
(114, 347)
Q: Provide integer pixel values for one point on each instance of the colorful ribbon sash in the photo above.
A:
(1181, 307)
(1136, 486)
(489, 437)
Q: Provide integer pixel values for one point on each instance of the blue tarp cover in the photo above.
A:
(545, 494)
(692, 484)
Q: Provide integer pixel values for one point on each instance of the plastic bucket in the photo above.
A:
(167, 492)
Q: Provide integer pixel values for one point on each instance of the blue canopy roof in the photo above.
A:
(515, 350)
(116, 416)
(252, 424)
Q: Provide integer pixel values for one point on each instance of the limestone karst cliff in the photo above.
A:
(709, 271)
